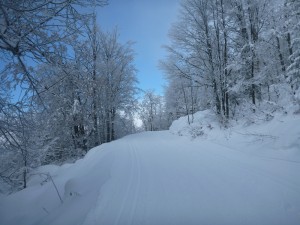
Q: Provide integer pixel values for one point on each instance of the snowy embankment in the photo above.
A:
(192, 174)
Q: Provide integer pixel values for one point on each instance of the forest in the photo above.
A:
(68, 86)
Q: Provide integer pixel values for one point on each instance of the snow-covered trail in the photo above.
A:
(156, 178)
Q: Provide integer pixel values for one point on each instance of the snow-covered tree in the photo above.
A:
(30, 30)
(294, 32)
(152, 112)
(117, 76)
(237, 58)
(89, 100)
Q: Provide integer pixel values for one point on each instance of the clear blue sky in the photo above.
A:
(146, 22)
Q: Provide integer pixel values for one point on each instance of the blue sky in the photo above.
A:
(147, 23)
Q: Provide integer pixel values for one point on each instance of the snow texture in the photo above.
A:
(242, 175)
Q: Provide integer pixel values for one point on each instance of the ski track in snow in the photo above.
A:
(133, 187)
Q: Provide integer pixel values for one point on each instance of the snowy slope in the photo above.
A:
(243, 175)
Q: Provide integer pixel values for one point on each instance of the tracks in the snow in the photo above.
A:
(130, 201)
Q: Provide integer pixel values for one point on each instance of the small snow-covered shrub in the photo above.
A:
(204, 122)
(196, 131)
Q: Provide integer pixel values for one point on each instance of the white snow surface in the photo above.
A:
(240, 175)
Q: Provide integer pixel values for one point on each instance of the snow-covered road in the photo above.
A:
(157, 178)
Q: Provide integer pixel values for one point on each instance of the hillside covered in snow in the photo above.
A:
(191, 174)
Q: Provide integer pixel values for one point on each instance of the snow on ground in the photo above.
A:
(197, 174)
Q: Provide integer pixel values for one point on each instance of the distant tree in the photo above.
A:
(152, 112)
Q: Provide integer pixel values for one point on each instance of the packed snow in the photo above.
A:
(192, 174)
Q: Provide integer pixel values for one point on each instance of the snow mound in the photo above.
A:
(199, 124)
(280, 133)
(59, 194)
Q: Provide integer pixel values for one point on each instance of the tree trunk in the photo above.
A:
(95, 116)
(113, 115)
(108, 128)
(252, 92)
(25, 173)
(225, 90)
(288, 38)
(283, 67)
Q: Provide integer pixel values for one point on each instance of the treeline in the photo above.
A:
(66, 86)
(238, 58)
(87, 100)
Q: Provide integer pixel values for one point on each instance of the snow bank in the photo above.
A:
(280, 135)
(59, 194)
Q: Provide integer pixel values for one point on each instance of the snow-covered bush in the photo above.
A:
(203, 123)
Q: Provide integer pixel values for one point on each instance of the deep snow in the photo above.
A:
(192, 174)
